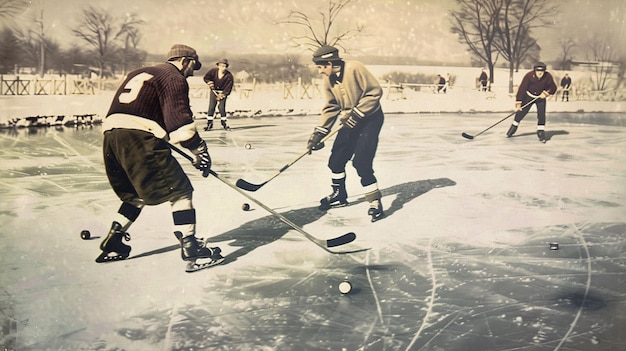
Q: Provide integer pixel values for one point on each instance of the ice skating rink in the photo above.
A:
(461, 262)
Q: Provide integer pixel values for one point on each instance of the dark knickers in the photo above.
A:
(140, 165)
(358, 144)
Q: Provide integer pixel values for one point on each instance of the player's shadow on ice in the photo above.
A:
(549, 134)
(409, 191)
(406, 192)
(268, 229)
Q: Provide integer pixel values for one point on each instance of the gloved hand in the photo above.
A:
(203, 160)
(518, 105)
(544, 94)
(351, 118)
(211, 84)
(314, 141)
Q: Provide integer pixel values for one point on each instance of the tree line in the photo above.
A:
(106, 44)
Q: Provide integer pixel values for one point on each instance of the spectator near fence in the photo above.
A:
(483, 79)
(566, 84)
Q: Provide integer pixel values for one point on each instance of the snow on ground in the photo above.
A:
(461, 262)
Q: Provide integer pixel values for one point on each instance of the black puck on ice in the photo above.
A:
(85, 234)
(554, 246)
(245, 207)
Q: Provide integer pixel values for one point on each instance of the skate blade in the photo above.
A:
(329, 207)
(105, 257)
(378, 217)
(194, 266)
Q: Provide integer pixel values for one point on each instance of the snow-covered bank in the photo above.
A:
(272, 103)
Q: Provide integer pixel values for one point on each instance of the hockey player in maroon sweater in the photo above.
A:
(536, 85)
(149, 108)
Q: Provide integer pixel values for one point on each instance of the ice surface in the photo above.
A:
(461, 262)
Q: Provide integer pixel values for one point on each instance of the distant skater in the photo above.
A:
(441, 84)
(352, 96)
(152, 106)
(220, 81)
(483, 79)
(537, 84)
(566, 84)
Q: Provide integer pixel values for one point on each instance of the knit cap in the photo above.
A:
(326, 53)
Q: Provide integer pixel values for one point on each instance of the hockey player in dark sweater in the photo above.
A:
(150, 110)
(536, 86)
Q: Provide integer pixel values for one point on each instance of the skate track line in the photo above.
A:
(582, 241)
(433, 292)
(369, 279)
(69, 147)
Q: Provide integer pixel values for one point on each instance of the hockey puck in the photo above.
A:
(248, 146)
(345, 287)
(554, 246)
(245, 207)
(85, 234)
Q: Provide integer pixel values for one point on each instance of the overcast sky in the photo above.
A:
(418, 28)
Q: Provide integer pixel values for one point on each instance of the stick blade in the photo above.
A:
(467, 136)
(341, 240)
(242, 184)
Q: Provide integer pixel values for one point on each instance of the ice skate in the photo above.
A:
(338, 198)
(376, 210)
(113, 249)
(511, 131)
(209, 126)
(196, 254)
(225, 125)
(542, 136)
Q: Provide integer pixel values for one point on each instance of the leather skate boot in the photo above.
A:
(338, 198)
(512, 130)
(376, 210)
(209, 126)
(225, 125)
(192, 249)
(113, 249)
(541, 134)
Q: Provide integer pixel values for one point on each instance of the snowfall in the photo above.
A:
(493, 243)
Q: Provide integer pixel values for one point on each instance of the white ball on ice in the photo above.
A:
(345, 287)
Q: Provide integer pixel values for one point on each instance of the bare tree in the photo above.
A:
(102, 33)
(10, 9)
(475, 22)
(9, 57)
(516, 22)
(501, 28)
(567, 45)
(604, 53)
(129, 32)
(318, 32)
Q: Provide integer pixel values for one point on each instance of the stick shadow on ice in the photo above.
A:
(268, 229)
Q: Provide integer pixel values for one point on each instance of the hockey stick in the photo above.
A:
(254, 187)
(467, 136)
(324, 244)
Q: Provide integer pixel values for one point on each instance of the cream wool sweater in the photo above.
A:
(355, 88)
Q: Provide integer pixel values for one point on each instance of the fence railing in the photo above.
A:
(69, 85)
(64, 85)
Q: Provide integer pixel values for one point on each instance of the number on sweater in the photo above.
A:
(134, 85)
